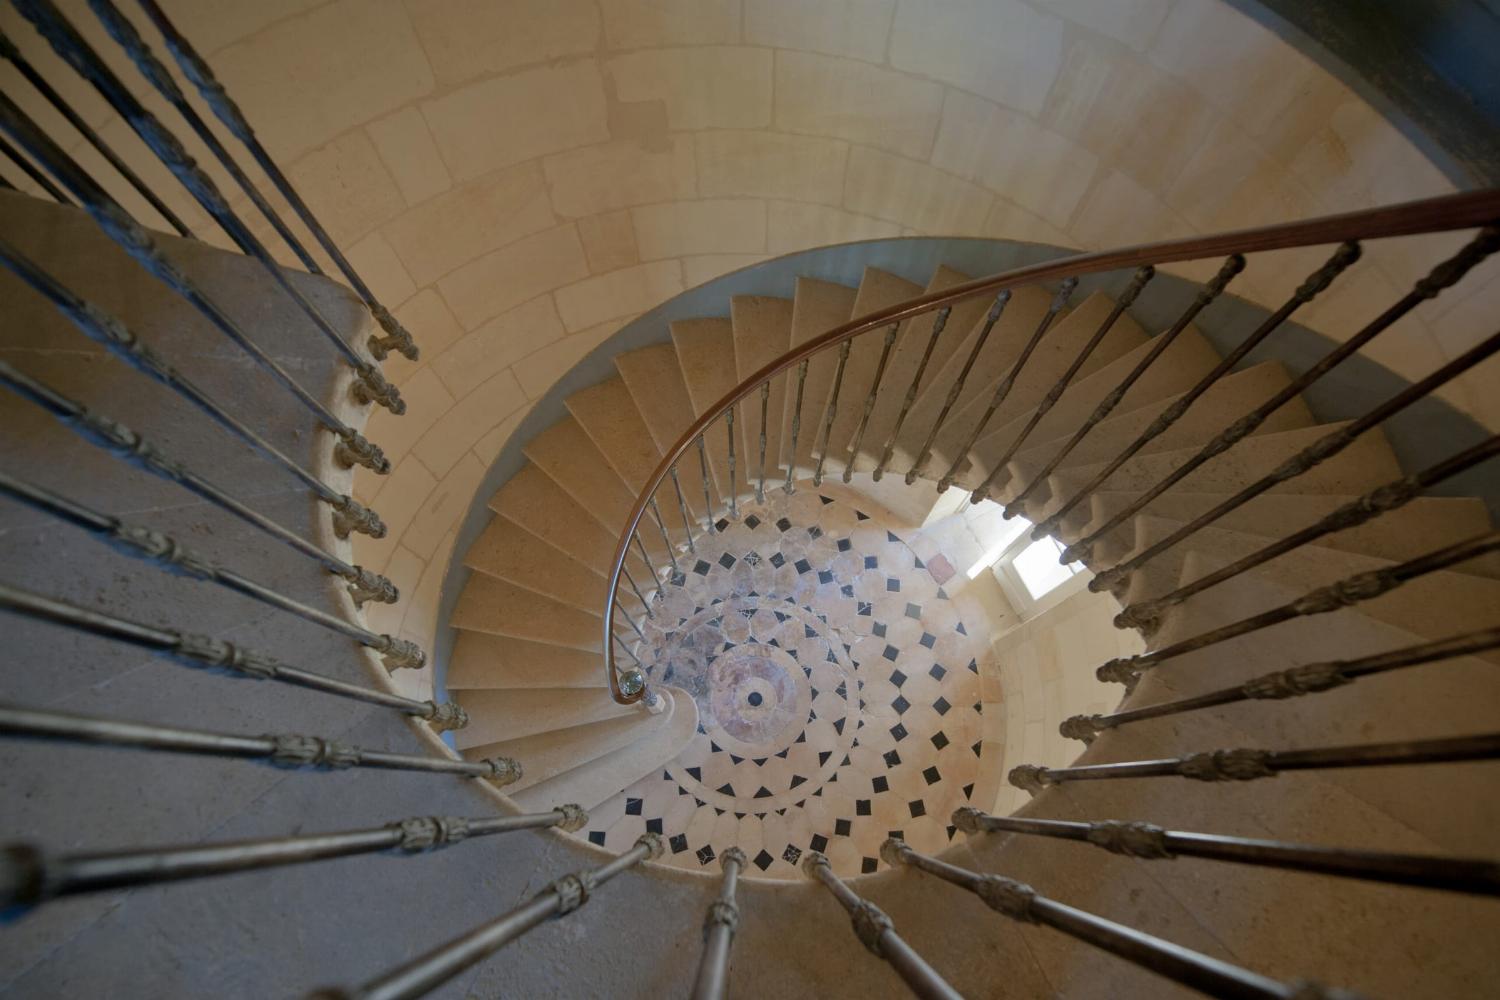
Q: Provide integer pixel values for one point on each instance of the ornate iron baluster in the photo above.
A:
(280, 750)
(1064, 292)
(830, 410)
(201, 76)
(429, 971)
(791, 464)
(139, 243)
(125, 34)
(1125, 301)
(687, 518)
(1232, 266)
(23, 66)
(638, 595)
(1443, 276)
(712, 982)
(172, 556)
(911, 392)
(864, 417)
(733, 487)
(1020, 902)
(1147, 615)
(1307, 459)
(876, 933)
(708, 500)
(990, 319)
(1247, 765)
(40, 179)
(36, 876)
(129, 446)
(665, 538)
(1344, 593)
(765, 400)
(1293, 682)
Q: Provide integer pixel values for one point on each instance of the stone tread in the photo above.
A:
(501, 608)
(481, 660)
(536, 502)
(762, 333)
(511, 715)
(817, 307)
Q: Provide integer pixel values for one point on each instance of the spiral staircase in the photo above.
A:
(705, 664)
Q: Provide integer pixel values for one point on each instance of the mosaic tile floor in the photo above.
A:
(837, 690)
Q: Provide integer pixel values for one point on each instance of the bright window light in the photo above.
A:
(1012, 530)
(1039, 569)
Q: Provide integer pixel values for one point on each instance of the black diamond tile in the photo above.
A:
(891, 652)
(871, 562)
(868, 865)
(784, 524)
(678, 841)
(942, 594)
(893, 585)
(847, 590)
(890, 536)
(838, 726)
(861, 807)
(941, 705)
(928, 640)
(596, 837)
(653, 825)
(918, 808)
(763, 793)
(968, 791)
(892, 758)
(740, 815)
(976, 748)
(900, 704)
(864, 608)
(898, 732)
(937, 672)
(842, 827)
(797, 779)
(736, 760)
(705, 854)
(760, 761)
(818, 843)
(939, 739)
(973, 667)
(897, 834)
(898, 678)
(726, 789)
(826, 500)
(921, 564)
(913, 610)
(823, 756)
(824, 576)
(860, 515)
(952, 831)
(801, 565)
(721, 523)
(815, 532)
(808, 632)
(778, 560)
(632, 807)
(695, 772)
(880, 784)
(752, 522)
(842, 690)
(783, 753)
(932, 775)
(844, 544)
(726, 560)
(878, 629)
(763, 860)
(701, 568)
(960, 629)
(792, 854)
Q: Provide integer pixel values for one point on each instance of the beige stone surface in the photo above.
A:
(504, 278)
(796, 226)
(466, 39)
(1001, 49)
(362, 194)
(913, 193)
(405, 145)
(632, 24)
(771, 165)
(596, 179)
(704, 87)
(853, 100)
(497, 344)
(624, 292)
(722, 225)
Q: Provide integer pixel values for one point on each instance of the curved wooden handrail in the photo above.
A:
(1466, 210)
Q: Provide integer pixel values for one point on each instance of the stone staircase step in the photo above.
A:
(762, 333)
(511, 715)
(535, 501)
(546, 755)
(481, 660)
(705, 353)
(662, 739)
(502, 608)
(654, 378)
(817, 307)
(509, 552)
(569, 456)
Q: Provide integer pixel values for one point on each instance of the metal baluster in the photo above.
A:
(630, 620)
(9, 51)
(114, 335)
(708, 500)
(875, 932)
(429, 971)
(712, 982)
(277, 749)
(1293, 682)
(198, 73)
(130, 447)
(1147, 615)
(1344, 593)
(832, 408)
(666, 538)
(687, 518)
(1152, 843)
(632, 682)
(641, 547)
(990, 319)
(911, 392)
(172, 556)
(733, 488)
(125, 34)
(1020, 902)
(1442, 276)
(1232, 266)
(1247, 765)
(40, 179)
(370, 386)
(1064, 292)
(864, 417)
(1124, 302)
(791, 465)
(204, 652)
(765, 398)
(638, 595)
(1307, 459)
(37, 876)
(139, 243)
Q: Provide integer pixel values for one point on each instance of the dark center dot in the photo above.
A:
(755, 698)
